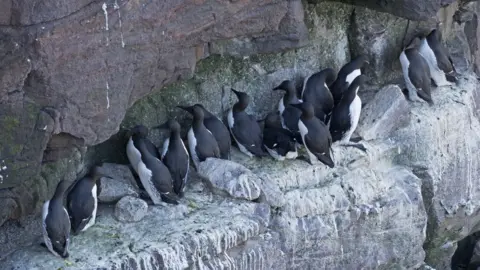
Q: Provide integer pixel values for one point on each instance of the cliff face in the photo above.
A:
(69, 71)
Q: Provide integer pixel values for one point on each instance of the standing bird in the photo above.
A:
(201, 142)
(154, 175)
(316, 92)
(315, 135)
(56, 223)
(289, 115)
(279, 142)
(132, 149)
(244, 128)
(175, 156)
(346, 114)
(416, 74)
(217, 128)
(346, 75)
(82, 201)
(439, 61)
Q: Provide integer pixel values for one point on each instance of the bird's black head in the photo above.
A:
(434, 35)
(198, 113)
(357, 83)
(62, 186)
(170, 124)
(139, 130)
(243, 100)
(287, 85)
(328, 75)
(361, 60)
(187, 108)
(98, 172)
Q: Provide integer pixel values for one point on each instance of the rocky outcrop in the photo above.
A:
(61, 94)
(70, 69)
(373, 210)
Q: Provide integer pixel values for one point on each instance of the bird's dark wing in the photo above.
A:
(207, 149)
(421, 80)
(319, 145)
(177, 162)
(152, 148)
(339, 123)
(250, 138)
(80, 204)
(58, 229)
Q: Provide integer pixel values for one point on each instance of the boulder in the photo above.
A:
(130, 209)
(120, 183)
(230, 177)
(388, 111)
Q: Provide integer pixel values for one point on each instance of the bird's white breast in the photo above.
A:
(281, 106)
(146, 178)
(230, 119)
(91, 222)
(192, 144)
(133, 154)
(352, 75)
(166, 143)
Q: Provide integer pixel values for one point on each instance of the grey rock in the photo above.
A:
(91, 80)
(409, 9)
(213, 231)
(230, 177)
(459, 49)
(130, 209)
(388, 111)
(120, 184)
(440, 145)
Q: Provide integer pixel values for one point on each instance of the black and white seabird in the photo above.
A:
(217, 128)
(175, 156)
(315, 135)
(439, 61)
(416, 74)
(346, 114)
(346, 75)
(279, 142)
(132, 150)
(316, 92)
(201, 142)
(56, 223)
(153, 174)
(82, 201)
(244, 128)
(289, 115)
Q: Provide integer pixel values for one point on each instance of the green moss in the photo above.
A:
(9, 123)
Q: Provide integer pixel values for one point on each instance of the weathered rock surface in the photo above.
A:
(443, 155)
(130, 209)
(410, 9)
(373, 210)
(71, 69)
(231, 178)
(120, 184)
(367, 212)
(384, 114)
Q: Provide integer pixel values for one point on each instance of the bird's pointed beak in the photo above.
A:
(186, 108)
(277, 88)
(162, 126)
(235, 91)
